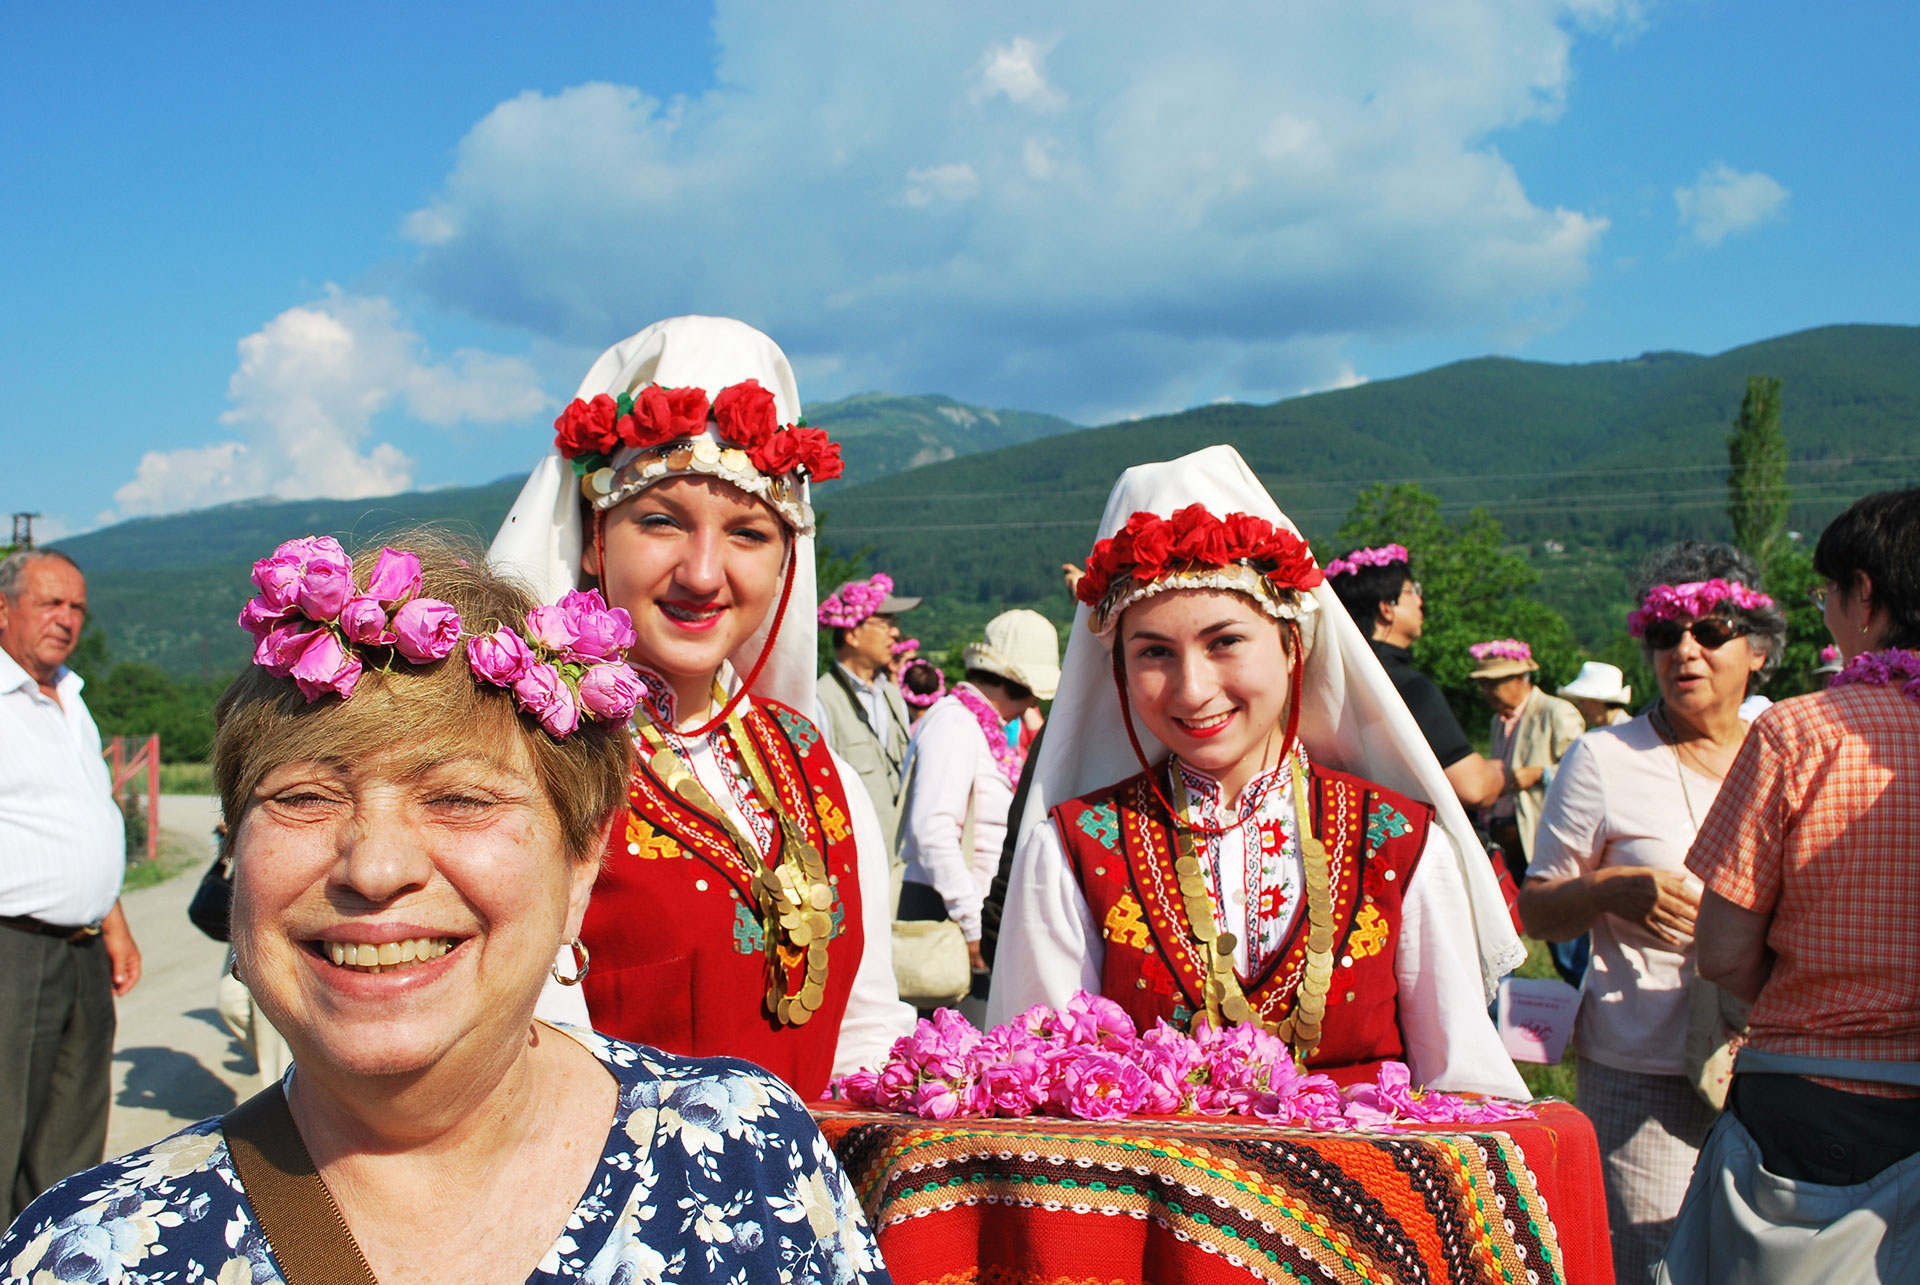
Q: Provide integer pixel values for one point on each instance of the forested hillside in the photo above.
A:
(1601, 459)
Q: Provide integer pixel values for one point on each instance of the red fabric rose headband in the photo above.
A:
(312, 625)
(621, 445)
(1193, 549)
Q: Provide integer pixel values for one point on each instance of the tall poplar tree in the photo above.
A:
(1757, 483)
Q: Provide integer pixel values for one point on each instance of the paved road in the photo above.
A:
(173, 1060)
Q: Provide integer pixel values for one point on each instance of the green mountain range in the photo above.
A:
(1602, 460)
(1598, 460)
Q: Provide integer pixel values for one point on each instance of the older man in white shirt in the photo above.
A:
(65, 950)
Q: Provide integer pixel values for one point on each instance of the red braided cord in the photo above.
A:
(1296, 669)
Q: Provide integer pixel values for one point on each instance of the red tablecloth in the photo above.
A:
(1075, 1202)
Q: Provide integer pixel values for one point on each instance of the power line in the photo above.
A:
(1289, 481)
(1580, 505)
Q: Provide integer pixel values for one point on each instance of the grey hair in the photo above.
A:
(13, 568)
(1694, 560)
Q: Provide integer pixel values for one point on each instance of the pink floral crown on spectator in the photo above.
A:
(314, 626)
(1384, 556)
(621, 445)
(1696, 598)
(914, 698)
(906, 647)
(1502, 649)
(854, 601)
(1830, 654)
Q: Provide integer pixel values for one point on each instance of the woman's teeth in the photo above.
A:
(388, 954)
(690, 614)
(1208, 723)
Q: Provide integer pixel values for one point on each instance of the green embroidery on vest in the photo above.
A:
(749, 938)
(1385, 823)
(1102, 823)
(802, 733)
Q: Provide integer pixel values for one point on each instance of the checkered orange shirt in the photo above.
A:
(1819, 824)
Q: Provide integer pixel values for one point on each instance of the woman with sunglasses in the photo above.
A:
(1813, 891)
(744, 907)
(1234, 820)
(1608, 858)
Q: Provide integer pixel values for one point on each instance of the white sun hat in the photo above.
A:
(1020, 645)
(1599, 681)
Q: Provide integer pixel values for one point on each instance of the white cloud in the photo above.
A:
(941, 183)
(1018, 71)
(1345, 377)
(1723, 201)
(1220, 190)
(306, 392)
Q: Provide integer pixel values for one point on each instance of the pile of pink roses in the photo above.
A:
(1086, 1060)
(309, 616)
(569, 664)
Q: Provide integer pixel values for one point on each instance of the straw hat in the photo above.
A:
(1599, 681)
(1019, 645)
(1502, 658)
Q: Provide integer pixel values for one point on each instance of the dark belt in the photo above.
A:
(29, 925)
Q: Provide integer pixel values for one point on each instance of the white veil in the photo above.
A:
(541, 541)
(1351, 718)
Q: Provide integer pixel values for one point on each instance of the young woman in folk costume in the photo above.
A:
(744, 905)
(1278, 860)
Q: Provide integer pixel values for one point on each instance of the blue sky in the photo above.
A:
(369, 248)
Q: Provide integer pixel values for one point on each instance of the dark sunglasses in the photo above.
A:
(1709, 631)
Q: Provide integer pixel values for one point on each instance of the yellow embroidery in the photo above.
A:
(1370, 932)
(1124, 924)
(649, 844)
(832, 819)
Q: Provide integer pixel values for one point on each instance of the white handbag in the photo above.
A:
(930, 961)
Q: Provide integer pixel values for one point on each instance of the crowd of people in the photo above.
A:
(569, 882)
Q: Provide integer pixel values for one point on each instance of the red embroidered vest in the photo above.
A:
(1122, 850)
(676, 941)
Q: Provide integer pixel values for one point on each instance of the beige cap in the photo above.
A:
(1023, 646)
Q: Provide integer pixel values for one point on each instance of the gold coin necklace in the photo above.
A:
(1221, 992)
(792, 892)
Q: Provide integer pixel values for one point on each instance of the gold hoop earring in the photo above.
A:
(579, 950)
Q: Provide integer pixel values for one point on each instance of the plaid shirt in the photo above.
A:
(1818, 824)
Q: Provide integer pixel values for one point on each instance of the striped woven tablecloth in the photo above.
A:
(1076, 1202)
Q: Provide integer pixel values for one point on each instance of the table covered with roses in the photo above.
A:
(1047, 1201)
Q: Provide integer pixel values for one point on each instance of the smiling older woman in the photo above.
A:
(1608, 858)
(416, 807)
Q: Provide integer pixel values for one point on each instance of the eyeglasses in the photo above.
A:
(1710, 632)
(1413, 587)
(1817, 594)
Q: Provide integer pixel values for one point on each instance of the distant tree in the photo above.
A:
(1757, 502)
(1475, 589)
(1757, 481)
(830, 571)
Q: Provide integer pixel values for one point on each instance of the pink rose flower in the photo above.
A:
(600, 632)
(499, 657)
(543, 693)
(326, 577)
(363, 620)
(326, 665)
(395, 578)
(280, 646)
(260, 615)
(277, 576)
(609, 692)
(858, 1087)
(935, 1100)
(426, 629)
(551, 628)
(1102, 1085)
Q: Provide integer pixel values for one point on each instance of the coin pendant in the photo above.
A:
(821, 897)
(1236, 1009)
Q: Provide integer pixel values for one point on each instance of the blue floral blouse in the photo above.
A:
(713, 1171)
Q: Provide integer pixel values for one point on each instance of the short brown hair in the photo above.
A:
(263, 722)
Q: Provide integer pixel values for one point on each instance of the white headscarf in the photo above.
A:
(541, 541)
(1351, 718)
